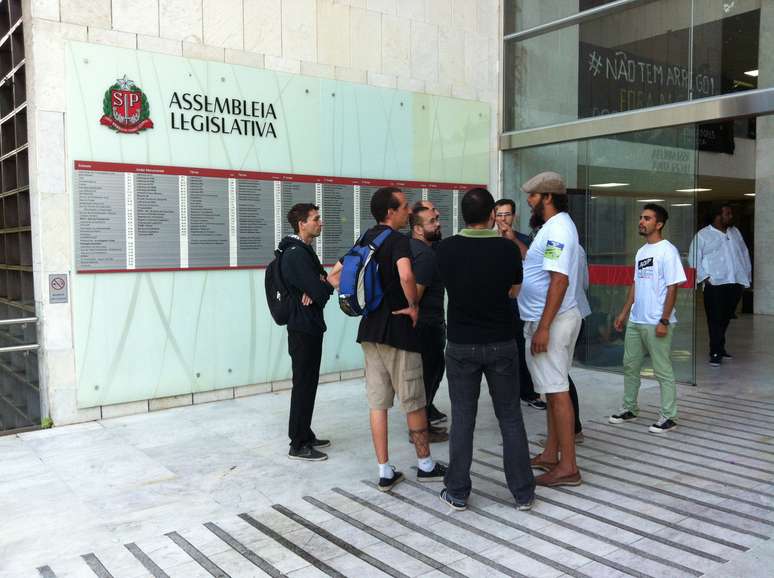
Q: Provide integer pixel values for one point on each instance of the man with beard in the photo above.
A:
(548, 305)
(431, 327)
(658, 273)
(505, 214)
(723, 268)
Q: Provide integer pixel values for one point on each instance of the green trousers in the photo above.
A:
(641, 339)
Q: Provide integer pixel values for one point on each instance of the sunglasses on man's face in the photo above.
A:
(503, 214)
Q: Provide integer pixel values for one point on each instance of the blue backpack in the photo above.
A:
(360, 287)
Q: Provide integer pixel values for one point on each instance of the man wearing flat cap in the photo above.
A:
(548, 306)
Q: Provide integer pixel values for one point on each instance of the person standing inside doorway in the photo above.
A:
(723, 268)
(505, 215)
(431, 327)
(393, 363)
(658, 273)
(306, 279)
(548, 305)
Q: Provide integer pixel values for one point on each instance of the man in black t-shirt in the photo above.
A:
(482, 272)
(426, 230)
(390, 345)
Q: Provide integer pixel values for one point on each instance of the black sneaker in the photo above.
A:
(435, 475)
(452, 502)
(536, 402)
(726, 355)
(318, 443)
(434, 416)
(386, 484)
(621, 417)
(307, 453)
(715, 360)
(662, 425)
(526, 506)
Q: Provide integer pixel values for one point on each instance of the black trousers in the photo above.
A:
(305, 354)
(525, 384)
(432, 340)
(575, 406)
(465, 366)
(720, 303)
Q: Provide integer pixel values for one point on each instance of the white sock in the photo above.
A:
(426, 464)
(386, 471)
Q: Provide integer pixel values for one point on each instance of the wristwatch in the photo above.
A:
(664, 322)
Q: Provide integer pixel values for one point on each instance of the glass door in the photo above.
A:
(609, 181)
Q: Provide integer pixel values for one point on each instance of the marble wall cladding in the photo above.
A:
(125, 16)
(223, 24)
(332, 45)
(48, 9)
(158, 44)
(439, 47)
(365, 40)
(112, 37)
(181, 20)
(263, 26)
(299, 30)
(86, 12)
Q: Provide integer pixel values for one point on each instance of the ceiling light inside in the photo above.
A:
(609, 185)
(697, 190)
(749, 194)
(682, 204)
(753, 73)
(650, 200)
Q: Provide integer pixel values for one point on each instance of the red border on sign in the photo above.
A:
(261, 176)
(244, 175)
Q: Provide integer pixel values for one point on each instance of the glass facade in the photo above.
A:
(609, 181)
(650, 54)
(635, 56)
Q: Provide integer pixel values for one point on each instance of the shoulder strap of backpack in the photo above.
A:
(381, 238)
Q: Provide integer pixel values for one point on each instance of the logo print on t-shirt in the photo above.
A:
(645, 268)
(553, 250)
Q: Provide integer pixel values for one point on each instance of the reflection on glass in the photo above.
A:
(610, 180)
(644, 56)
(525, 14)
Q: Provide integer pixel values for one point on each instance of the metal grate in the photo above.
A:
(19, 391)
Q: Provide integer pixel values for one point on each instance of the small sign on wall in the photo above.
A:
(57, 288)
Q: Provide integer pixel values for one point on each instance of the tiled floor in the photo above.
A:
(207, 490)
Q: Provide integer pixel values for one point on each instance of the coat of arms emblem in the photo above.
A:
(125, 107)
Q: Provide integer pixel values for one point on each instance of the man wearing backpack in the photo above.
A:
(393, 364)
(305, 279)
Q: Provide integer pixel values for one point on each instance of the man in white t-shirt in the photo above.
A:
(723, 267)
(658, 272)
(549, 308)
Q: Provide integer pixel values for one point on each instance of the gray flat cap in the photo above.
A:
(547, 182)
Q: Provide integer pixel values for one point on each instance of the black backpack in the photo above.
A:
(277, 295)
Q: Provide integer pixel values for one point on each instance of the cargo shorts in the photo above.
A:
(390, 371)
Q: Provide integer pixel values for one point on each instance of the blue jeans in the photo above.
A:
(465, 364)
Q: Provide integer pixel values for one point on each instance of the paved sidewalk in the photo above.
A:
(208, 491)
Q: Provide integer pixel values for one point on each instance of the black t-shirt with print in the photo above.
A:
(382, 326)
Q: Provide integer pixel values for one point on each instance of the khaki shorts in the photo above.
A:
(550, 370)
(389, 371)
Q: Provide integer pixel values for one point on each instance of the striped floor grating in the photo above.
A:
(679, 504)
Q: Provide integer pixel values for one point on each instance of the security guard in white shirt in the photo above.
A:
(722, 263)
